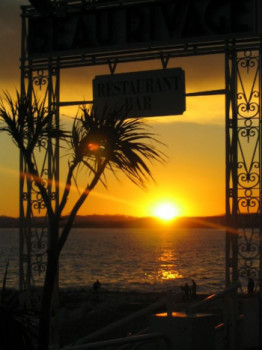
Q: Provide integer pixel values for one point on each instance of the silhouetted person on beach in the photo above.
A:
(96, 286)
(250, 286)
(96, 289)
(186, 290)
(193, 289)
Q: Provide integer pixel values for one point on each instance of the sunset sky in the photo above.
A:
(193, 178)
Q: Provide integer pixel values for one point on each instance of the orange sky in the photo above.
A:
(194, 176)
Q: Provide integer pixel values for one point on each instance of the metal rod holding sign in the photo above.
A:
(207, 93)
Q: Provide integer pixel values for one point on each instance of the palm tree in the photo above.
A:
(98, 143)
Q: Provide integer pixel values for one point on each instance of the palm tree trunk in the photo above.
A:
(67, 228)
(56, 245)
(48, 289)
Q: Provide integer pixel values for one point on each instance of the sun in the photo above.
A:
(166, 211)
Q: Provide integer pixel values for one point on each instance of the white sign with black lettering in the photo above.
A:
(142, 94)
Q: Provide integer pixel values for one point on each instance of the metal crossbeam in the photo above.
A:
(86, 58)
(44, 7)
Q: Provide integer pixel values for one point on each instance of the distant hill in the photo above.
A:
(6, 221)
(250, 220)
(127, 221)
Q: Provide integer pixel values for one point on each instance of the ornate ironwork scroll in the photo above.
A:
(243, 153)
(37, 84)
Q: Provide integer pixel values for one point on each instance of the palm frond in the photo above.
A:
(28, 122)
(123, 144)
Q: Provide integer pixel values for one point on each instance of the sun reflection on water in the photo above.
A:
(167, 269)
(169, 275)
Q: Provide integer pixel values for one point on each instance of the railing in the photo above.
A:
(229, 327)
(161, 341)
(215, 296)
(136, 340)
(158, 341)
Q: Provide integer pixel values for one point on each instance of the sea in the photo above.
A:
(131, 259)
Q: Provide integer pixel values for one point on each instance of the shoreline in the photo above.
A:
(90, 316)
(83, 312)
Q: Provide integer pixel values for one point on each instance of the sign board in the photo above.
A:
(102, 27)
(142, 94)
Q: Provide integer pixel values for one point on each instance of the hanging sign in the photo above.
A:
(142, 94)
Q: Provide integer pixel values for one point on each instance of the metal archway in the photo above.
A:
(40, 73)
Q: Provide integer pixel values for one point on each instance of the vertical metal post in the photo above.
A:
(243, 173)
(21, 162)
(231, 169)
(227, 170)
(25, 268)
(53, 183)
(260, 201)
(231, 184)
(34, 233)
(234, 160)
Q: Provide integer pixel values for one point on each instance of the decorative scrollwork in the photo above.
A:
(248, 123)
(248, 247)
(248, 61)
(248, 250)
(37, 202)
(39, 245)
(248, 132)
(38, 205)
(42, 143)
(39, 248)
(248, 109)
(35, 237)
(39, 236)
(246, 272)
(242, 165)
(248, 193)
(250, 204)
(44, 183)
(248, 164)
(248, 179)
(39, 265)
(40, 79)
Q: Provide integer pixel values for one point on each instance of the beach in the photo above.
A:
(85, 317)
(83, 312)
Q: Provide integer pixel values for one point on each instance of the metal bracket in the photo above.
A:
(164, 59)
(112, 65)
